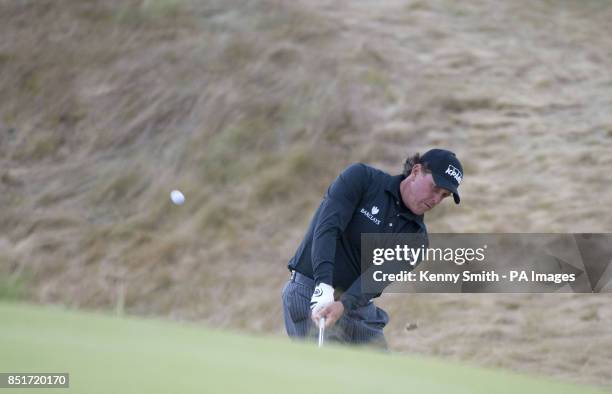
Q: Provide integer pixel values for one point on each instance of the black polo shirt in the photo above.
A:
(362, 199)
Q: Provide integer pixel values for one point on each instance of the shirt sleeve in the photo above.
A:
(336, 211)
(354, 297)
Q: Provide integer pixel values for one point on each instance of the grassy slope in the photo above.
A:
(251, 107)
(105, 354)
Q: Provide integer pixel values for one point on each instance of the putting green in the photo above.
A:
(106, 354)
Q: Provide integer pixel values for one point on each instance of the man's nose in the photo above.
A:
(437, 198)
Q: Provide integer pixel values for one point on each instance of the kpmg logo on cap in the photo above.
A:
(455, 173)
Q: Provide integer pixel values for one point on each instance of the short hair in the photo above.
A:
(411, 161)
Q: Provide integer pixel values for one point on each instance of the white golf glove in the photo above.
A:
(323, 295)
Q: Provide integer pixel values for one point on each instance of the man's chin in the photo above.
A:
(419, 209)
(423, 209)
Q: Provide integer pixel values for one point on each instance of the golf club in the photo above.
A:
(321, 331)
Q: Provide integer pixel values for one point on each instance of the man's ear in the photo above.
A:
(414, 171)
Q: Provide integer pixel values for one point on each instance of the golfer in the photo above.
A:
(325, 270)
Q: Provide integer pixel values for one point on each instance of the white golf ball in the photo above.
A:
(177, 197)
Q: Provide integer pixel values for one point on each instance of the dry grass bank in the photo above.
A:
(252, 107)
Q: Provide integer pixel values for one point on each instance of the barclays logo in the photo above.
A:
(370, 215)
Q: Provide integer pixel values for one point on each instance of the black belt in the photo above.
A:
(302, 279)
(306, 281)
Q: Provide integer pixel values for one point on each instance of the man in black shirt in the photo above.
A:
(325, 271)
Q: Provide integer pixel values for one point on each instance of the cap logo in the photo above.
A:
(455, 173)
(375, 210)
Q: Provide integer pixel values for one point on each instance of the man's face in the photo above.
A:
(419, 191)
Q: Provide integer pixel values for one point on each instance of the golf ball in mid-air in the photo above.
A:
(177, 197)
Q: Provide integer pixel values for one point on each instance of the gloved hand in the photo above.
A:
(322, 296)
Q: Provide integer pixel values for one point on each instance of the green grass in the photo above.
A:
(105, 354)
(11, 288)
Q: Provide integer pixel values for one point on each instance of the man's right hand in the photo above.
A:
(332, 312)
(322, 296)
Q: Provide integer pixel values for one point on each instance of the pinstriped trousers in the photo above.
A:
(361, 326)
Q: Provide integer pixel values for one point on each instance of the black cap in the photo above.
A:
(446, 170)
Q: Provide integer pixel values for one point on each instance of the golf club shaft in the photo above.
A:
(321, 331)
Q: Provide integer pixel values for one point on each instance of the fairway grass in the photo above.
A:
(107, 354)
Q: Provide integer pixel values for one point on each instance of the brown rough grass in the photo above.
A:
(252, 107)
